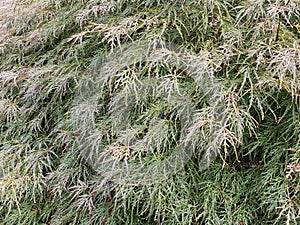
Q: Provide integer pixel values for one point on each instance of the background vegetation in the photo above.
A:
(251, 46)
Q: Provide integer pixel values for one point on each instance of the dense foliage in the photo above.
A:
(252, 48)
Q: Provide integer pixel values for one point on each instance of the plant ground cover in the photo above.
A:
(251, 47)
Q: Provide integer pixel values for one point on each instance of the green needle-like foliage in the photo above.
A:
(250, 47)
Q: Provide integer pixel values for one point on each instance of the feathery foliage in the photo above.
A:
(251, 47)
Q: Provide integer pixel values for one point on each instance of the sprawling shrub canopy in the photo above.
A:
(250, 47)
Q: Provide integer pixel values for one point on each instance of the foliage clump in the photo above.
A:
(251, 47)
